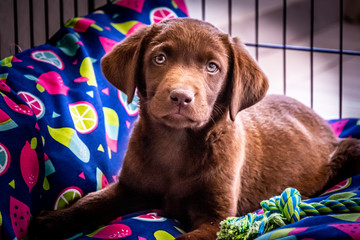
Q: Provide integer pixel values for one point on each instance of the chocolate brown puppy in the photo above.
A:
(208, 144)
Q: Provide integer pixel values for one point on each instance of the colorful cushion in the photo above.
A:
(63, 127)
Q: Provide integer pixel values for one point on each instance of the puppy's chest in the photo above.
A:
(176, 158)
(185, 161)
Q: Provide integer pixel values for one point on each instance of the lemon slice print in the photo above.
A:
(67, 196)
(84, 117)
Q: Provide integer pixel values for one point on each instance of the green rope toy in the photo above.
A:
(280, 211)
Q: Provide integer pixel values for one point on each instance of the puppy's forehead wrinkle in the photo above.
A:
(195, 46)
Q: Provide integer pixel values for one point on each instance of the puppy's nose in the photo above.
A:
(181, 97)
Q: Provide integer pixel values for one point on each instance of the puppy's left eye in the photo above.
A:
(212, 67)
(160, 59)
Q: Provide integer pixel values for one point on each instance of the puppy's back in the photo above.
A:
(286, 145)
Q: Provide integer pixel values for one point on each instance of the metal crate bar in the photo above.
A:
(306, 49)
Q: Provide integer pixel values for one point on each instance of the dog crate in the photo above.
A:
(309, 49)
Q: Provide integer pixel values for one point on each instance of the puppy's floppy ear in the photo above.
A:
(122, 66)
(249, 83)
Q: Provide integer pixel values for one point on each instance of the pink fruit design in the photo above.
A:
(351, 229)
(20, 108)
(107, 43)
(342, 185)
(150, 217)
(35, 103)
(161, 13)
(136, 5)
(298, 230)
(114, 231)
(29, 165)
(338, 126)
(20, 217)
(53, 83)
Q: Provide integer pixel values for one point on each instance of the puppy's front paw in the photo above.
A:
(46, 225)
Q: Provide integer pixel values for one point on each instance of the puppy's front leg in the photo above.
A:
(89, 212)
(206, 213)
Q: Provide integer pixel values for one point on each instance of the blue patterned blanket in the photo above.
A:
(64, 128)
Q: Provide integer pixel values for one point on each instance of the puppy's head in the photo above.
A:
(187, 72)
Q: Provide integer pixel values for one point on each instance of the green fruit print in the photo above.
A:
(69, 44)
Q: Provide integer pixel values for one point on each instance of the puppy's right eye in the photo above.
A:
(160, 59)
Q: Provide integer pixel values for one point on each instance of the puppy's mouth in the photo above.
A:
(179, 120)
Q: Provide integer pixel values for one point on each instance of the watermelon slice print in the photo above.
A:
(338, 126)
(4, 159)
(107, 43)
(351, 229)
(161, 13)
(20, 217)
(114, 231)
(340, 186)
(136, 5)
(6, 123)
(35, 103)
(48, 56)
(80, 24)
(29, 165)
(127, 28)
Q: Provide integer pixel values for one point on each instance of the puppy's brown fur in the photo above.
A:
(190, 152)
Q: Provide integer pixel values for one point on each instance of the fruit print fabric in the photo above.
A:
(63, 126)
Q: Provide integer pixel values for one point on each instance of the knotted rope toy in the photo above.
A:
(280, 211)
